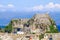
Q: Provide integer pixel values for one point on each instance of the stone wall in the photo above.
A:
(6, 36)
(38, 21)
(54, 36)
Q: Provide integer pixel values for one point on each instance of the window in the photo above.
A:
(18, 29)
(27, 25)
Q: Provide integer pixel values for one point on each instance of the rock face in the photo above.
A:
(39, 23)
(51, 36)
(6, 36)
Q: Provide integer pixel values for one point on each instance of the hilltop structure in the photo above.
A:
(30, 29)
(39, 23)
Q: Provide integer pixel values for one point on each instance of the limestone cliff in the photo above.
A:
(39, 23)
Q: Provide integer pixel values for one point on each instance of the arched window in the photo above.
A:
(18, 29)
(26, 25)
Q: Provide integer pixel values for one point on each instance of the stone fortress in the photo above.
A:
(37, 24)
(30, 29)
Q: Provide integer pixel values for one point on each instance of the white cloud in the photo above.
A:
(38, 8)
(50, 6)
(10, 6)
(4, 8)
(57, 5)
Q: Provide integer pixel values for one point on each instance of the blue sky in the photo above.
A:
(10, 9)
(23, 4)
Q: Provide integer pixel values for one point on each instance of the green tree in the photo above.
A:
(41, 36)
(8, 28)
(52, 29)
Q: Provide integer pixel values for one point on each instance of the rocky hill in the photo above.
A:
(39, 23)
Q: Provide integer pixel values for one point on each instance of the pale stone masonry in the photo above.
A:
(51, 36)
(6, 36)
(37, 24)
(29, 29)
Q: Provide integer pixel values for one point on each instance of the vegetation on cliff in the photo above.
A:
(8, 28)
(39, 21)
(52, 30)
(41, 36)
